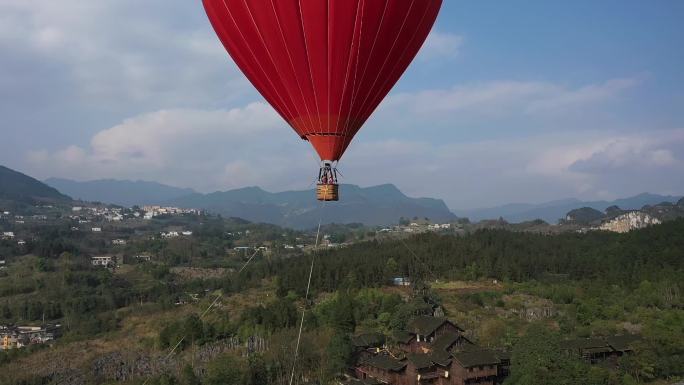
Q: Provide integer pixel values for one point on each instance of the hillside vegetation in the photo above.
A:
(521, 292)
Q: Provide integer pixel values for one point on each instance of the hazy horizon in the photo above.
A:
(555, 200)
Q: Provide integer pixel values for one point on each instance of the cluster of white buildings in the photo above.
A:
(86, 214)
(152, 211)
(9, 235)
(20, 219)
(175, 234)
(415, 227)
(104, 260)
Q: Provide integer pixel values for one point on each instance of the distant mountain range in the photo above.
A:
(119, 192)
(377, 205)
(20, 189)
(553, 211)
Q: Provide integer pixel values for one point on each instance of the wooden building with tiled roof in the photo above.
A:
(431, 351)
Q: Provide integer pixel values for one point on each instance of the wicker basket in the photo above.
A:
(327, 192)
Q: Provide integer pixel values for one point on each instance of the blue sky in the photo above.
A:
(507, 102)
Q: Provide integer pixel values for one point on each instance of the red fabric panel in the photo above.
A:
(324, 65)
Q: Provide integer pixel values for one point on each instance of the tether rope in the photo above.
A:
(211, 305)
(418, 259)
(306, 296)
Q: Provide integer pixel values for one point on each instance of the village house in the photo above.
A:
(106, 260)
(435, 351)
(7, 235)
(119, 242)
(96, 229)
(596, 350)
(14, 337)
(432, 350)
(114, 217)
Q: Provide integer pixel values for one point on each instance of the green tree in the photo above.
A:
(343, 313)
(539, 359)
(339, 352)
(188, 376)
(257, 373)
(226, 370)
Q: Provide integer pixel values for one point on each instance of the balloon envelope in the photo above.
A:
(324, 65)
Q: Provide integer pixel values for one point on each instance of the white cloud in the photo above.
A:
(119, 52)
(562, 99)
(531, 169)
(509, 97)
(440, 45)
(207, 150)
(630, 153)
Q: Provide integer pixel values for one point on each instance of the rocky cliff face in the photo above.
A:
(629, 221)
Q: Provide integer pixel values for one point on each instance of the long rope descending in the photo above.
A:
(218, 296)
(306, 296)
(418, 259)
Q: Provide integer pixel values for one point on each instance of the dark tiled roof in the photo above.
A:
(445, 341)
(420, 360)
(425, 325)
(622, 343)
(427, 360)
(441, 357)
(502, 355)
(476, 358)
(586, 343)
(598, 345)
(368, 340)
(385, 362)
(402, 336)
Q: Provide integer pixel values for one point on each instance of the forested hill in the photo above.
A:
(16, 187)
(654, 254)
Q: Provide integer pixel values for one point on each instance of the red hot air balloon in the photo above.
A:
(324, 65)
